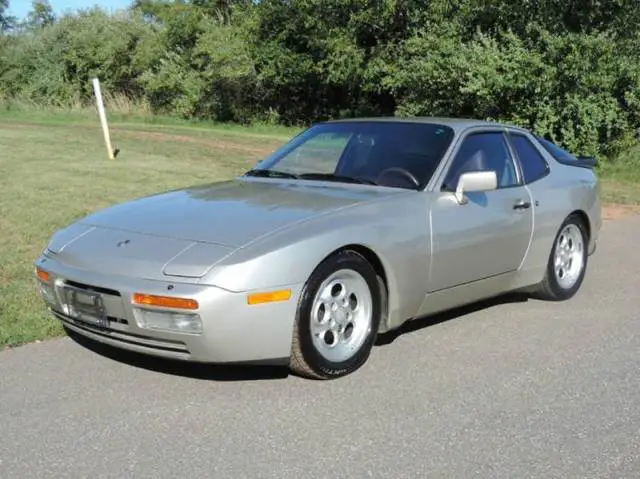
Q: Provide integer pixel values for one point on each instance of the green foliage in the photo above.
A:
(566, 68)
(574, 88)
(54, 65)
(204, 69)
(7, 22)
(41, 14)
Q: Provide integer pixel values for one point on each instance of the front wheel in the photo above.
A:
(337, 318)
(567, 262)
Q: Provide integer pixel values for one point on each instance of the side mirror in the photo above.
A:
(475, 181)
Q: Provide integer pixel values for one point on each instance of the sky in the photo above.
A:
(20, 8)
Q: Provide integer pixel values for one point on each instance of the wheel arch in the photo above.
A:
(584, 217)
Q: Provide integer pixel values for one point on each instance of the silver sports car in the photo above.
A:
(349, 230)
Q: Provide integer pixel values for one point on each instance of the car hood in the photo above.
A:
(185, 233)
(231, 213)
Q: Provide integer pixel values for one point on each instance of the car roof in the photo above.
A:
(454, 123)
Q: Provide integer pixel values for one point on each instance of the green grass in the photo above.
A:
(136, 118)
(54, 170)
(621, 178)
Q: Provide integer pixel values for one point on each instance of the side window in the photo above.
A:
(533, 164)
(483, 152)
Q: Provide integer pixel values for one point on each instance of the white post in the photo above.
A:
(103, 117)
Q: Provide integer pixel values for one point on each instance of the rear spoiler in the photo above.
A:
(581, 161)
(587, 161)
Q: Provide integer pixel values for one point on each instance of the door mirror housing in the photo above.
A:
(475, 181)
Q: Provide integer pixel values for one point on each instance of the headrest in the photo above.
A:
(477, 162)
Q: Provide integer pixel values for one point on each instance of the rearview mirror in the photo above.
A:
(475, 181)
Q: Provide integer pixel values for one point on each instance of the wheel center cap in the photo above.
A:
(341, 315)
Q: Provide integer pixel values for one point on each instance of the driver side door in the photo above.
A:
(488, 236)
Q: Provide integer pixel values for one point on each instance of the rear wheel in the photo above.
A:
(337, 318)
(567, 262)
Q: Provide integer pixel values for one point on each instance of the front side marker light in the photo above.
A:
(269, 297)
(165, 301)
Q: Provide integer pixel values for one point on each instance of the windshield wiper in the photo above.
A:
(339, 178)
(270, 174)
(266, 173)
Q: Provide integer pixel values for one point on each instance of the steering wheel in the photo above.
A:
(402, 172)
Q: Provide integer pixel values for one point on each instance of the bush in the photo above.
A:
(569, 73)
(576, 89)
(54, 65)
(215, 78)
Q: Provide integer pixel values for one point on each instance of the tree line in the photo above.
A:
(566, 68)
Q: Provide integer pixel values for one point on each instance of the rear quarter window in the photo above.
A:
(533, 164)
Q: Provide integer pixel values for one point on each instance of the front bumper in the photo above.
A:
(232, 330)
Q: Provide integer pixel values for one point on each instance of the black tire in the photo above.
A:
(549, 289)
(305, 359)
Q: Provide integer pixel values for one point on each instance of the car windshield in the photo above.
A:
(392, 153)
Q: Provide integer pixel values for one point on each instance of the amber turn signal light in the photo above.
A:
(165, 301)
(269, 297)
(43, 275)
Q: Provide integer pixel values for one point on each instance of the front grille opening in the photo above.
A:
(97, 289)
(113, 319)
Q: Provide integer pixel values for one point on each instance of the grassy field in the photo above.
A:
(54, 169)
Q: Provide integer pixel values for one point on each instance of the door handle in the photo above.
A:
(521, 205)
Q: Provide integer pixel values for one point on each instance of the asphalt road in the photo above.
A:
(504, 389)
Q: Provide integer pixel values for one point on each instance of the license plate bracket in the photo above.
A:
(85, 306)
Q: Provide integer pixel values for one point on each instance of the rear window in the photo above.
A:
(554, 150)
